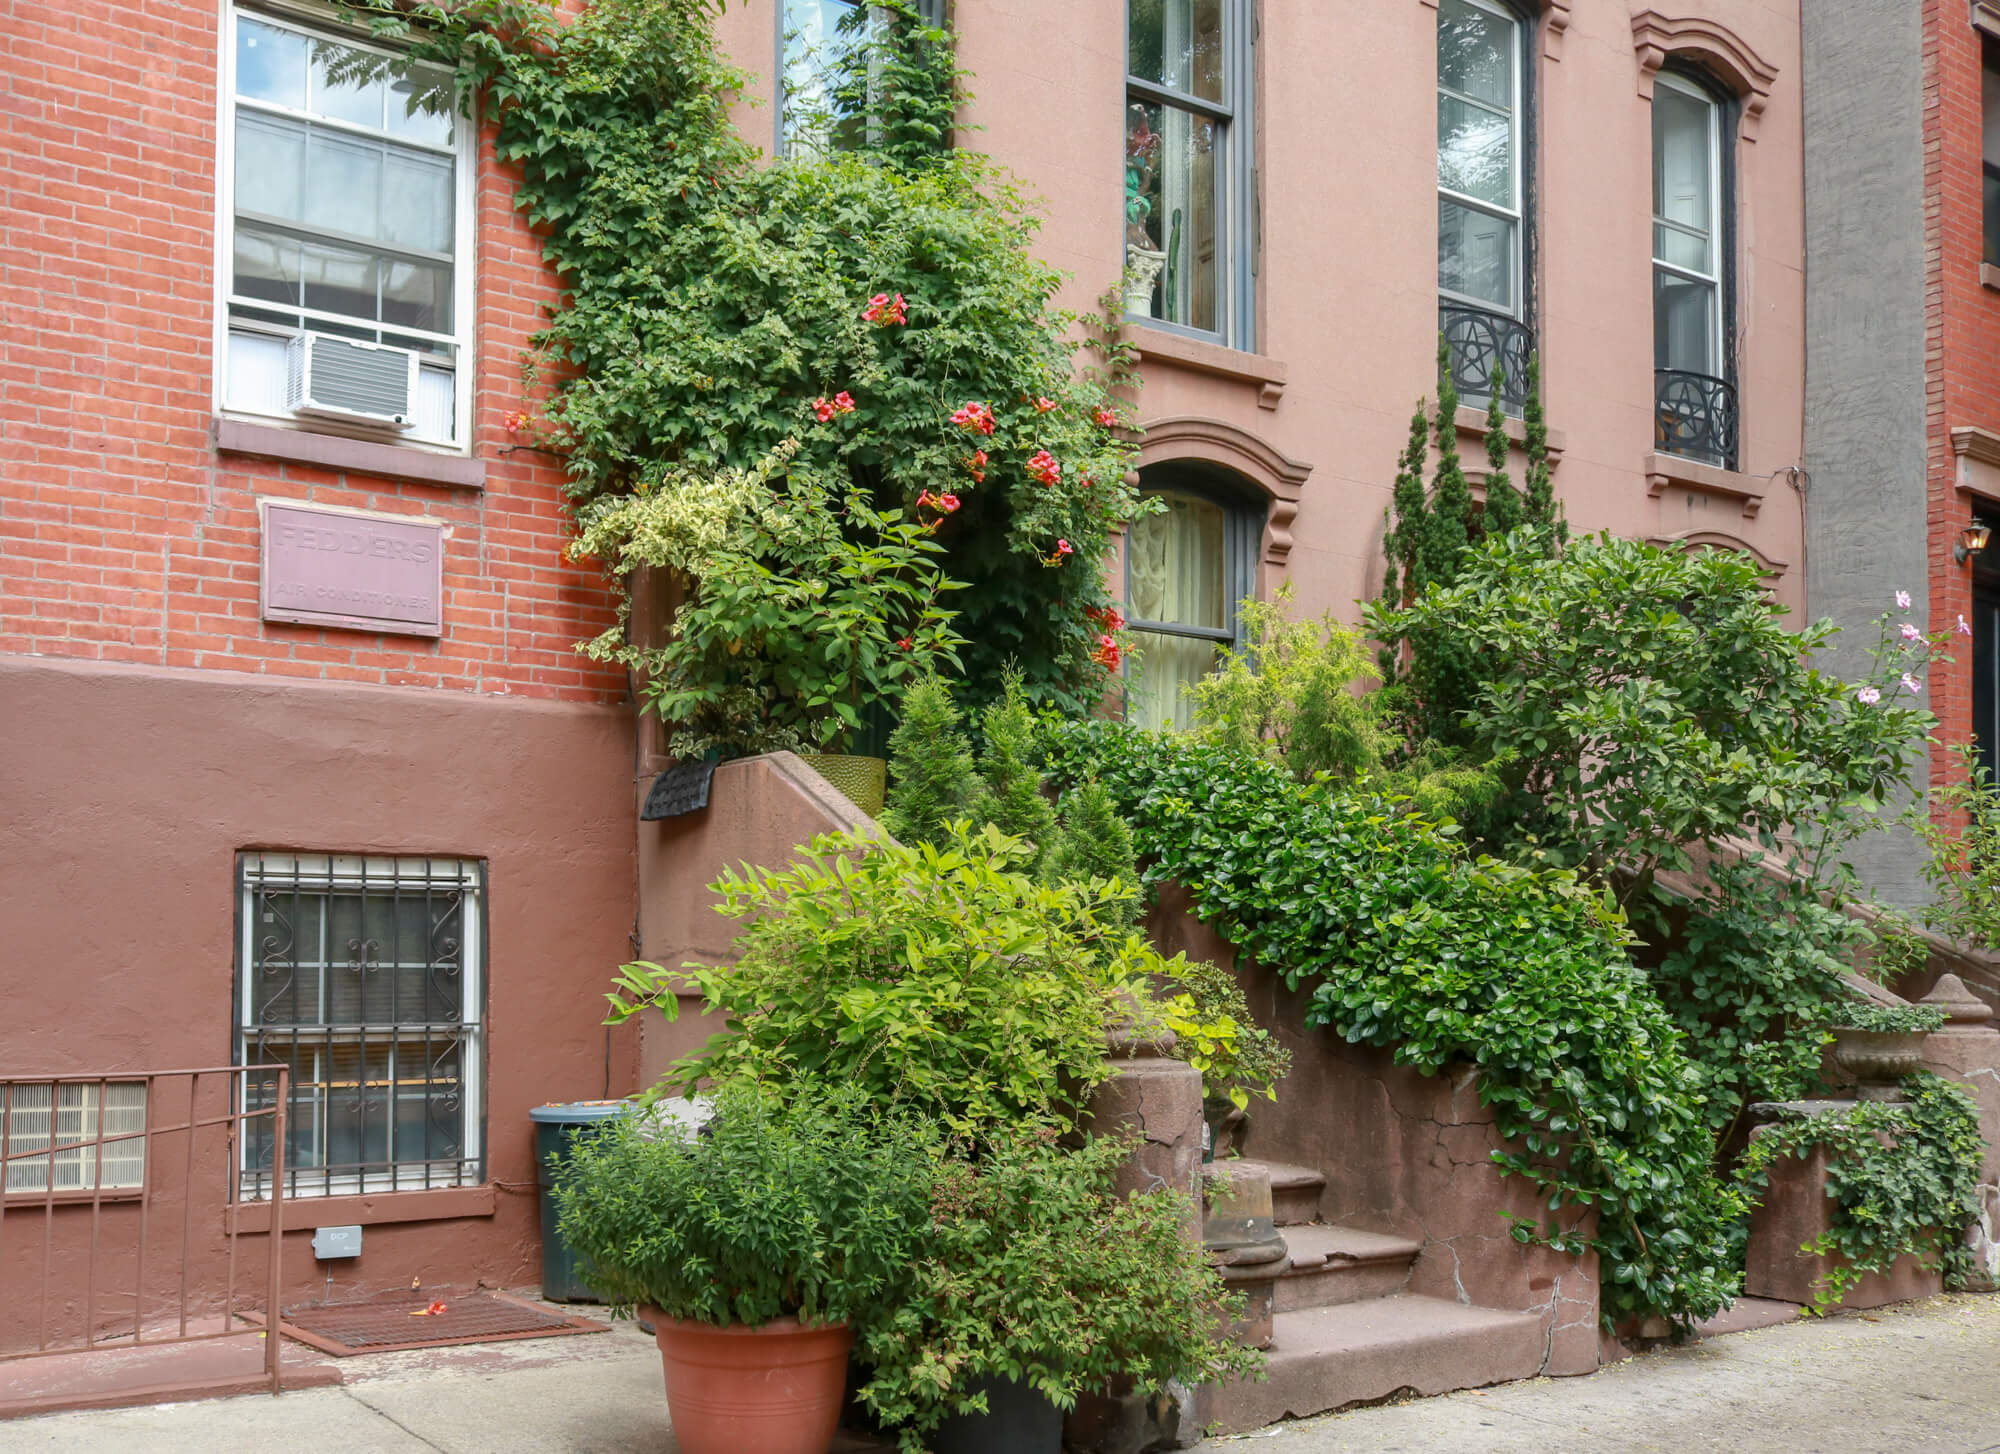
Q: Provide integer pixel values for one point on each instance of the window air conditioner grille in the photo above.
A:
(350, 380)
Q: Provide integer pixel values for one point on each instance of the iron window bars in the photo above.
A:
(365, 977)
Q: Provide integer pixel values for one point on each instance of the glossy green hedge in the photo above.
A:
(1406, 942)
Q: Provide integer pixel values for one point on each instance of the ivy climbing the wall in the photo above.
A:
(882, 308)
(1903, 1178)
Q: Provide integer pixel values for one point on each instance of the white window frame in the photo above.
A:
(1517, 282)
(331, 872)
(312, 21)
(1717, 224)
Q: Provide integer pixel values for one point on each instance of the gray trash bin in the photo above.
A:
(556, 1130)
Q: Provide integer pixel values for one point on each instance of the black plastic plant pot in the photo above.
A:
(1019, 1419)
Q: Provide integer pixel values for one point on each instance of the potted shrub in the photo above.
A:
(802, 607)
(753, 1247)
(1036, 1282)
(1215, 1033)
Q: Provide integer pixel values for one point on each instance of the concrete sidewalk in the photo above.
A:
(1923, 1377)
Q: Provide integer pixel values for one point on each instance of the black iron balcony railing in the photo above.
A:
(1481, 344)
(1694, 416)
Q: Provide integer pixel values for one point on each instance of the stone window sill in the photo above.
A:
(1268, 374)
(1472, 425)
(1663, 470)
(370, 1209)
(351, 456)
(1989, 276)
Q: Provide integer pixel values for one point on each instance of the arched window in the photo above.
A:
(1186, 568)
(1693, 368)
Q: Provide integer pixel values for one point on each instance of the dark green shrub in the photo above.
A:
(1037, 1270)
(813, 1211)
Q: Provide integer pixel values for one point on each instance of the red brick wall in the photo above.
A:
(1962, 362)
(124, 535)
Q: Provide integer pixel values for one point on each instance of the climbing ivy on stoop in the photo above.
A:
(1408, 943)
(1903, 1177)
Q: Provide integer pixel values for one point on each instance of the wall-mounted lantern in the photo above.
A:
(1971, 541)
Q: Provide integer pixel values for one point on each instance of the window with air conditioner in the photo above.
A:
(346, 226)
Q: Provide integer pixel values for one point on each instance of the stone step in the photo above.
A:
(1294, 1189)
(1333, 1265)
(1326, 1358)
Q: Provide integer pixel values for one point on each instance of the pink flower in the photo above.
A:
(1902, 600)
(1105, 418)
(1964, 627)
(1910, 633)
(905, 643)
(1044, 405)
(1868, 696)
(1911, 684)
(947, 502)
(1063, 547)
(823, 409)
(1043, 466)
(516, 423)
(973, 416)
(884, 311)
(843, 402)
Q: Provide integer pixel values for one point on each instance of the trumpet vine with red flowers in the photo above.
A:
(881, 307)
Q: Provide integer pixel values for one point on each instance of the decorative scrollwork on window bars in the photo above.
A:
(1695, 416)
(1481, 342)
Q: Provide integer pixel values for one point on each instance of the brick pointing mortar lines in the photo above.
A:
(124, 535)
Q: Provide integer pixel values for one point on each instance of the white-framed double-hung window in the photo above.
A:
(364, 976)
(345, 231)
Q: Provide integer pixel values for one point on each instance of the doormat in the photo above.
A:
(432, 1318)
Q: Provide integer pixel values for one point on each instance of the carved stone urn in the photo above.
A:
(1878, 1060)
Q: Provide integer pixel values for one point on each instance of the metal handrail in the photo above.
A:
(47, 1199)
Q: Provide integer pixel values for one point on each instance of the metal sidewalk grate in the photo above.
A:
(398, 1320)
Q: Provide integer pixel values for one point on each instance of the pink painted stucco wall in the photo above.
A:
(1346, 155)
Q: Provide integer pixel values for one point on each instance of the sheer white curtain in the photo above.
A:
(1177, 564)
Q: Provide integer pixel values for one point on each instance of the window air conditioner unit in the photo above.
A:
(340, 378)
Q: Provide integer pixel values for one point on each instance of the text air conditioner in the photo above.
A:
(340, 378)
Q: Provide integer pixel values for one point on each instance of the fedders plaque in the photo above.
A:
(353, 572)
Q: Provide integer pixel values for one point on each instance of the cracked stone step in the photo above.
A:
(1328, 1357)
(1294, 1189)
(1333, 1265)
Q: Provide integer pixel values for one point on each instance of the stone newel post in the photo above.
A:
(1161, 1097)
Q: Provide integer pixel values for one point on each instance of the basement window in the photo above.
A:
(365, 977)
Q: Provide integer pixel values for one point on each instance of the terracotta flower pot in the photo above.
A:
(773, 1389)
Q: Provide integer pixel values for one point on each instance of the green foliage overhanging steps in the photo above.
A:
(884, 309)
(1407, 943)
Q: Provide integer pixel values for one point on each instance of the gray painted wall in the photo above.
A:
(1864, 425)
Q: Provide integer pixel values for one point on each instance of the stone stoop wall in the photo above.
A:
(761, 811)
(1404, 1154)
(1970, 1056)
